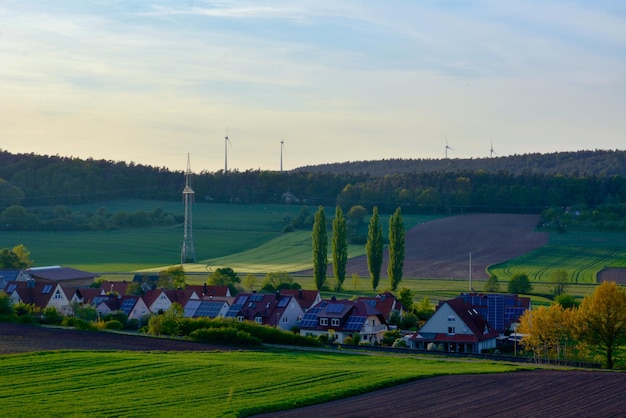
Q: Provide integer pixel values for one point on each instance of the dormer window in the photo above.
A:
(334, 322)
(324, 321)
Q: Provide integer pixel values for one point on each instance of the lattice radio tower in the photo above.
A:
(188, 253)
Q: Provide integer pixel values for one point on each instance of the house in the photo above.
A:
(502, 311)
(385, 303)
(271, 309)
(306, 298)
(146, 280)
(40, 294)
(210, 292)
(85, 295)
(7, 276)
(195, 308)
(121, 288)
(455, 327)
(342, 318)
(160, 300)
(133, 306)
(56, 274)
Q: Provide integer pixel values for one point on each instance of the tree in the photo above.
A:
(566, 301)
(172, 278)
(225, 276)
(603, 319)
(406, 297)
(339, 247)
(249, 282)
(320, 248)
(560, 279)
(23, 255)
(277, 280)
(548, 332)
(374, 248)
(519, 283)
(492, 284)
(424, 309)
(396, 249)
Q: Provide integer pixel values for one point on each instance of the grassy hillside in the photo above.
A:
(581, 253)
(225, 384)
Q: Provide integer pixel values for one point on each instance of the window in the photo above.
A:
(334, 322)
(240, 318)
(258, 320)
(57, 295)
(451, 318)
(324, 321)
(450, 330)
(285, 319)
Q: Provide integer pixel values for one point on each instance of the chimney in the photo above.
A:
(299, 293)
(278, 295)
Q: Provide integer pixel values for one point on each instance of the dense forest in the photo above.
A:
(587, 181)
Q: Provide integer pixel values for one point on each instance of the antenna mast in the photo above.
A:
(282, 146)
(226, 141)
(188, 253)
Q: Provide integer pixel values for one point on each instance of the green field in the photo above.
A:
(581, 253)
(225, 384)
(223, 234)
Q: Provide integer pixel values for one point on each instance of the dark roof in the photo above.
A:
(58, 274)
(268, 306)
(306, 298)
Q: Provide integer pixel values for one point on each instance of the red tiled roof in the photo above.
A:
(306, 298)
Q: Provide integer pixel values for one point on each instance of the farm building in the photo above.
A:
(66, 276)
(455, 327)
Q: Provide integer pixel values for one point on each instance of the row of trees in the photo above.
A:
(596, 327)
(373, 248)
(63, 218)
(31, 180)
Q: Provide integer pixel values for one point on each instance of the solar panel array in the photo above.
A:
(256, 297)
(283, 302)
(310, 318)
(191, 307)
(354, 323)
(209, 309)
(334, 308)
(47, 289)
(11, 288)
(127, 306)
(234, 310)
(371, 302)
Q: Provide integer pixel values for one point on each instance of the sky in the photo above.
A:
(153, 81)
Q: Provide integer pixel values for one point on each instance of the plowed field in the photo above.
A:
(441, 248)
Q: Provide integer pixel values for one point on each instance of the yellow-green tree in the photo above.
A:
(548, 332)
(172, 278)
(602, 321)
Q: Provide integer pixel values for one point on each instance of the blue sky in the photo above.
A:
(150, 81)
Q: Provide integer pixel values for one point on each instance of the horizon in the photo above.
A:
(152, 81)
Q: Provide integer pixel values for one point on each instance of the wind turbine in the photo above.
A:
(492, 152)
(448, 147)
(226, 142)
(282, 147)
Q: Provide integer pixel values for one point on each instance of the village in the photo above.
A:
(471, 323)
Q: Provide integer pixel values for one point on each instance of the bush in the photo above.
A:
(70, 321)
(519, 283)
(113, 324)
(51, 316)
(7, 311)
(400, 343)
(119, 316)
(390, 337)
(225, 336)
(323, 338)
(348, 341)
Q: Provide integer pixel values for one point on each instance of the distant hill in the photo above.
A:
(579, 163)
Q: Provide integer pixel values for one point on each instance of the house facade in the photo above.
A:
(501, 310)
(339, 319)
(276, 310)
(41, 295)
(455, 327)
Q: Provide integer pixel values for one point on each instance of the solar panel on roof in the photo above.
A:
(334, 308)
(310, 318)
(234, 310)
(191, 307)
(371, 302)
(127, 306)
(209, 309)
(256, 297)
(11, 288)
(354, 323)
(283, 303)
(47, 289)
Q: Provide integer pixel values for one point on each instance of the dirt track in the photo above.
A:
(441, 248)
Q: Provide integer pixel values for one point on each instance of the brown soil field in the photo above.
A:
(18, 338)
(612, 274)
(441, 248)
(542, 393)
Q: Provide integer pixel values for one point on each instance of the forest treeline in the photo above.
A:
(516, 184)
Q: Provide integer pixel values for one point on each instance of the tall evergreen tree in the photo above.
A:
(320, 248)
(396, 249)
(340, 247)
(374, 248)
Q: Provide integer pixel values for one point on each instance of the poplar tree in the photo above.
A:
(320, 248)
(340, 247)
(374, 248)
(396, 249)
